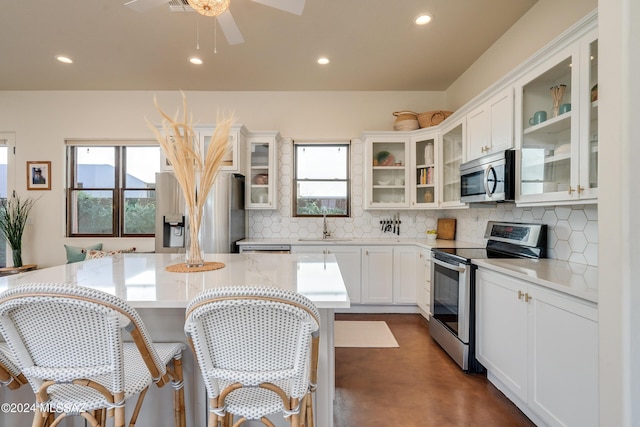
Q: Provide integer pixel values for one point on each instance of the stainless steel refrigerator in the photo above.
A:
(224, 222)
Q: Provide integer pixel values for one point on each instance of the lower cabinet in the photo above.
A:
(540, 347)
(348, 258)
(377, 275)
(423, 281)
(405, 270)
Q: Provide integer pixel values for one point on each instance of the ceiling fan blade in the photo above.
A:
(292, 6)
(229, 28)
(144, 5)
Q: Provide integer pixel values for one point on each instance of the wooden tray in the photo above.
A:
(446, 228)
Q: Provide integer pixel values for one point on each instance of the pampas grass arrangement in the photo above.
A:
(195, 175)
(14, 214)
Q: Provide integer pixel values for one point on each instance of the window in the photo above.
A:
(321, 181)
(111, 189)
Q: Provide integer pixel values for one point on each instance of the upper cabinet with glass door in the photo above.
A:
(451, 151)
(424, 170)
(557, 133)
(234, 160)
(262, 177)
(386, 170)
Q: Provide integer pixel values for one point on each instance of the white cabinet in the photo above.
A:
(377, 275)
(424, 169)
(559, 148)
(349, 261)
(490, 126)
(234, 160)
(262, 166)
(423, 281)
(451, 153)
(540, 347)
(405, 274)
(386, 170)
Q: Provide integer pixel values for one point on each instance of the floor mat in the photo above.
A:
(363, 334)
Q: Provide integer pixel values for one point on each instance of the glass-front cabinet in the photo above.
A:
(386, 170)
(424, 172)
(234, 160)
(262, 178)
(452, 146)
(557, 133)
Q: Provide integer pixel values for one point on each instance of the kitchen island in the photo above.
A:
(161, 297)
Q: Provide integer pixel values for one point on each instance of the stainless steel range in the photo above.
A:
(452, 318)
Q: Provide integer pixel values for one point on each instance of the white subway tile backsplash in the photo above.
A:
(572, 230)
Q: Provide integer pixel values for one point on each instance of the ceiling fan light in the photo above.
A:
(209, 7)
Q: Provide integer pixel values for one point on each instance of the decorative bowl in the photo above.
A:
(384, 182)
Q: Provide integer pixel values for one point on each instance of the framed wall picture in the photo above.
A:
(39, 175)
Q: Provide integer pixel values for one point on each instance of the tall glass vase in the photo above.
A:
(17, 257)
(195, 254)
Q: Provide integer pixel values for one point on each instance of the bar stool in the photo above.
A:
(67, 341)
(10, 375)
(257, 349)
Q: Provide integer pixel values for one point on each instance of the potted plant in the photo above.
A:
(14, 213)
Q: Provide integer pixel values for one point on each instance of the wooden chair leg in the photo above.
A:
(136, 410)
(178, 393)
(39, 419)
(309, 412)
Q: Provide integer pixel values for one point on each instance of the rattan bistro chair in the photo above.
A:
(257, 349)
(10, 375)
(68, 343)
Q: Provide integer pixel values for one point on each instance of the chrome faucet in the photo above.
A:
(325, 231)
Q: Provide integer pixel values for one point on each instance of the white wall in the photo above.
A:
(43, 120)
(542, 23)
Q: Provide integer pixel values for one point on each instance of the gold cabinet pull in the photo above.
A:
(580, 189)
(527, 297)
(519, 294)
(571, 190)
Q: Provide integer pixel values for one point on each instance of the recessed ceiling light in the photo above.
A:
(195, 60)
(64, 59)
(323, 61)
(423, 19)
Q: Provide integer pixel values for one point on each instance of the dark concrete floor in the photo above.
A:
(415, 385)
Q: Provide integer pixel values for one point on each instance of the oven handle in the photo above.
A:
(449, 266)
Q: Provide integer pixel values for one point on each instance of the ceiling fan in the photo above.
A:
(225, 20)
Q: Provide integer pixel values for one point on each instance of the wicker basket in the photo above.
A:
(406, 120)
(433, 118)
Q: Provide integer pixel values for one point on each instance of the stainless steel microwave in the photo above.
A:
(490, 178)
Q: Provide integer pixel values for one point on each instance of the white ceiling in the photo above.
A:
(373, 45)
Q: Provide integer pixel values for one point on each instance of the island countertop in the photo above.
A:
(142, 281)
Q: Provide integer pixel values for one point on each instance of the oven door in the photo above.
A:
(451, 297)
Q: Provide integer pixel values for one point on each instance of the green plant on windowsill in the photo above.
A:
(14, 214)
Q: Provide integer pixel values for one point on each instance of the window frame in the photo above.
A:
(295, 181)
(118, 191)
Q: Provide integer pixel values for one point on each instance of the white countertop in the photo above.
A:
(574, 279)
(141, 279)
(355, 241)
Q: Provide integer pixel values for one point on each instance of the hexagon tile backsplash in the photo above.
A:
(573, 230)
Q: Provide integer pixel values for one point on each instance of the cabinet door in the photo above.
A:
(478, 132)
(549, 136)
(386, 170)
(501, 121)
(588, 187)
(424, 172)
(423, 280)
(405, 269)
(451, 153)
(234, 160)
(501, 330)
(377, 275)
(563, 374)
(262, 183)
(349, 261)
